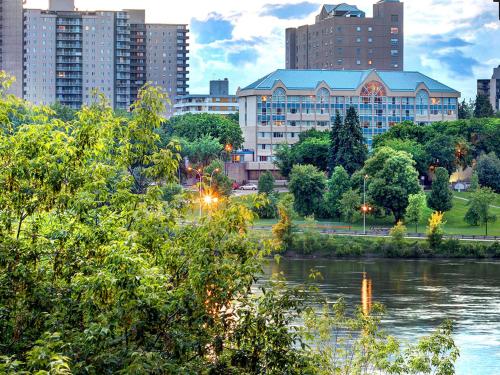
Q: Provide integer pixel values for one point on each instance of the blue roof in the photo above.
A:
(350, 9)
(346, 80)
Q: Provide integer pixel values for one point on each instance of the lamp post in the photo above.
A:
(364, 204)
(228, 148)
(199, 174)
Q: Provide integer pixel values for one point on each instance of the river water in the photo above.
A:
(419, 295)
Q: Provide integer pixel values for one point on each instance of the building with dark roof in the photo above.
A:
(275, 109)
(344, 38)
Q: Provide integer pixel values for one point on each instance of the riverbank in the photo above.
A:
(314, 246)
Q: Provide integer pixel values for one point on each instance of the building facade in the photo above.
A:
(491, 88)
(277, 108)
(344, 38)
(11, 42)
(69, 53)
(217, 102)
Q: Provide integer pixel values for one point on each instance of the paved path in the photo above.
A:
(465, 199)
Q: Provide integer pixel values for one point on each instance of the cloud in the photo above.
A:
(242, 57)
(438, 41)
(290, 11)
(459, 64)
(212, 29)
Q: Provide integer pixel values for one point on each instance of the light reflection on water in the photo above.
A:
(418, 296)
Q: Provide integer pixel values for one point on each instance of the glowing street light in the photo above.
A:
(199, 174)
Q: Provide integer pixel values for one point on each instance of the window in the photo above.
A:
(394, 52)
(358, 62)
(394, 42)
(263, 158)
(358, 40)
(422, 102)
(394, 30)
(278, 135)
(370, 28)
(373, 88)
(370, 40)
(394, 18)
(358, 28)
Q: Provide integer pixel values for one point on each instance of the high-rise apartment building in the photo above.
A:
(491, 88)
(68, 53)
(343, 38)
(11, 42)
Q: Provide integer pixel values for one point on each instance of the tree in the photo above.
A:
(283, 229)
(441, 152)
(266, 183)
(195, 126)
(417, 204)
(441, 196)
(392, 178)
(307, 184)
(488, 171)
(334, 141)
(351, 151)
(465, 110)
(350, 203)
(284, 159)
(435, 230)
(201, 152)
(338, 184)
(217, 180)
(479, 208)
(398, 232)
(483, 107)
(474, 182)
(415, 149)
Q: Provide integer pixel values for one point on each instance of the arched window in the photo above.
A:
(373, 88)
(422, 103)
(322, 101)
(279, 96)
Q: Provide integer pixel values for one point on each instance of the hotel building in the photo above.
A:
(275, 109)
(491, 88)
(344, 38)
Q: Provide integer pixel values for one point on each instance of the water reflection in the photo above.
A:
(418, 296)
(366, 294)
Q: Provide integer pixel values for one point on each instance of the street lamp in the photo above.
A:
(199, 174)
(364, 204)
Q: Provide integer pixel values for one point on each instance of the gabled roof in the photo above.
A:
(346, 80)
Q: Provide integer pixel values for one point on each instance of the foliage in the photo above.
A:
(266, 183)
(417, 205)
(356, 345)
(350, 203)
(474, 182)
(311, 149)
(441, 196)
(217, 180)
(392, 178)
(350, 151)
(465, 110)
(435, 229)
(201, 152)
(398, 232)
(483, 107)
(441, 152)
(338, 184)
(416, 150)
(195, 126)
(307, 184)
(334, 141)
(63, 112)
(283, 229)
(488, 170)
(310, 240)
(479, 208)
(268, 209)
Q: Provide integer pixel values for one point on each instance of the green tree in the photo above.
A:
(479, 208)
(338, 184)
(266, 183)
(441, 196)
(441, 152)
(283, 229)
(351, 151)
(195, 126)
(334, 141)
(307, 184)
(465, 110)
(392, 178)
(483, 107)
(201, 152)
(217, 180)
(416, 150)
(488, 171)
(285, 159)
(417, 205)
(350, 203)
(474, 182)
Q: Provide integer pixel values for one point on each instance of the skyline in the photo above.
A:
(454, 49)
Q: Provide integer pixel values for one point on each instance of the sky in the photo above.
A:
(453, 41)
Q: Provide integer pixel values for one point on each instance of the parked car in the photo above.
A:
(248, 187)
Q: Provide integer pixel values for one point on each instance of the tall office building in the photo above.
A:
(11, 42)
(343, 38)
(491, 88)
(69, 53)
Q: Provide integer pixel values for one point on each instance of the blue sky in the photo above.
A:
(455, 42)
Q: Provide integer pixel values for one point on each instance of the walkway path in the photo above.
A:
(465, 199)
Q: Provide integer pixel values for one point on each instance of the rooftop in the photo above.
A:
(346, 80)
(343, 10)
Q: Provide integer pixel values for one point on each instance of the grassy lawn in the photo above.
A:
(454, 220)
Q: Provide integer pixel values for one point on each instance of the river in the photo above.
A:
(419, 295)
